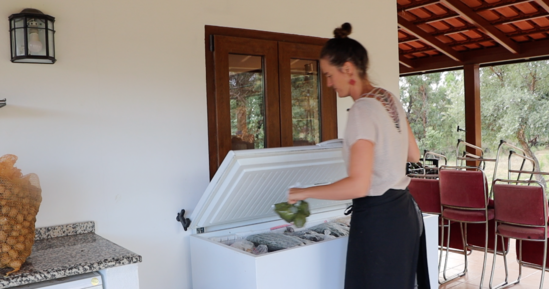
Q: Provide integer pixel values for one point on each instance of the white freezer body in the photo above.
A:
(431, 236)
(316, 266)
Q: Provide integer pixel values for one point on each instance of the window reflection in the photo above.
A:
(246, 89)
(305, 102)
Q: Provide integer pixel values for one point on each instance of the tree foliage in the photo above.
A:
(305, 109)
(246, 91)
(434, 107)
(514, 107)
(247, 107)
(515, 102)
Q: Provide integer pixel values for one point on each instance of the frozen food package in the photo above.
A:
(243, 245)
(275, 241)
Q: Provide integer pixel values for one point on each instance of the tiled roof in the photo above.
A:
(444, 34)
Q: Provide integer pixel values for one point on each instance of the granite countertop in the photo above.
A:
(67, 250)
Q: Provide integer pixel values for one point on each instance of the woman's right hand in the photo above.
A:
(295, 195)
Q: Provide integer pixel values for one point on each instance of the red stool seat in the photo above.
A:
(519, 232)
(466, 215)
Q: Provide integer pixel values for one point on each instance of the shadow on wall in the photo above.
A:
(17, 111)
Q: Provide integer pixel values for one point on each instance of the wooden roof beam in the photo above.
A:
(468, 14)
(415, 5)
(405, 61)
(529, 50)
(453, 44)
(523, 19)
(501, 4)
(454, 30)
(452, 16)
(544, 4)
(427, 38)
(408, 40)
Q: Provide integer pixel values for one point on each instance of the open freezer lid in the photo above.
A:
(249, 182)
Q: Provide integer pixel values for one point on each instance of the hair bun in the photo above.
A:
(343, 31)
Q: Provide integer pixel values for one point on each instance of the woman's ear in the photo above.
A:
(348, 68)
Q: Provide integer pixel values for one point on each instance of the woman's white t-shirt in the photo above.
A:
(379, 117)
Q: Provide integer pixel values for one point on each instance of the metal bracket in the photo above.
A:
(186, 222)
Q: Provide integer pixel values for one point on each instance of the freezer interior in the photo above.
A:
(285, 236)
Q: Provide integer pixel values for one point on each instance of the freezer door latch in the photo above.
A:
(186, 222)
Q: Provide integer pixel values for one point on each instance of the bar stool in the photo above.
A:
(464, 199)
(426, 193)
(520, 213)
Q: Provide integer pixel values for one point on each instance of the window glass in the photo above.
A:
(434, 105)
(247, 98)
(305, 102)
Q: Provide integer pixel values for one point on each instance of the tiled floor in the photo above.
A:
(530, 277)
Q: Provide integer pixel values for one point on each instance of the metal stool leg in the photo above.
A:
(506, 284)
(520, 261)
(460, 274)
(485, 255)
(441, 246)
(504, 257)
(465, 244)
(494, 261)
(544, 262)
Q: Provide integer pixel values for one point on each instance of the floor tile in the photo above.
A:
(530, 277)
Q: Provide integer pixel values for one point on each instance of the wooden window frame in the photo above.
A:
(328, 104)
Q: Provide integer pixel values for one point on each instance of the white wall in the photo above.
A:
(117, 129)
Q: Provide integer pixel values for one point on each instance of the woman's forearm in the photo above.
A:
(356, 185)
(343, 189)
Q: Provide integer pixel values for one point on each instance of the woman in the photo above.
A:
(386, 233)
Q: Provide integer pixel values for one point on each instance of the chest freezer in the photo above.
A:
(238, 203)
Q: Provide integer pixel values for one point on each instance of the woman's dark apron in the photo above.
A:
(386, 244)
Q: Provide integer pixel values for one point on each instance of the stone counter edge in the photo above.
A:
(26, 279)
(64, 230)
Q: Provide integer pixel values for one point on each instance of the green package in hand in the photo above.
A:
(296, 213)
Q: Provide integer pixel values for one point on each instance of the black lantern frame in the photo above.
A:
(32, 37)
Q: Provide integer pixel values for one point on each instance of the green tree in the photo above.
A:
(514, 106)
(305, 109)
(434, 107)
(247, 112)
(247, 108)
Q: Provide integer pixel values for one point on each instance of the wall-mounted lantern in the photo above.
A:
(32, 37)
